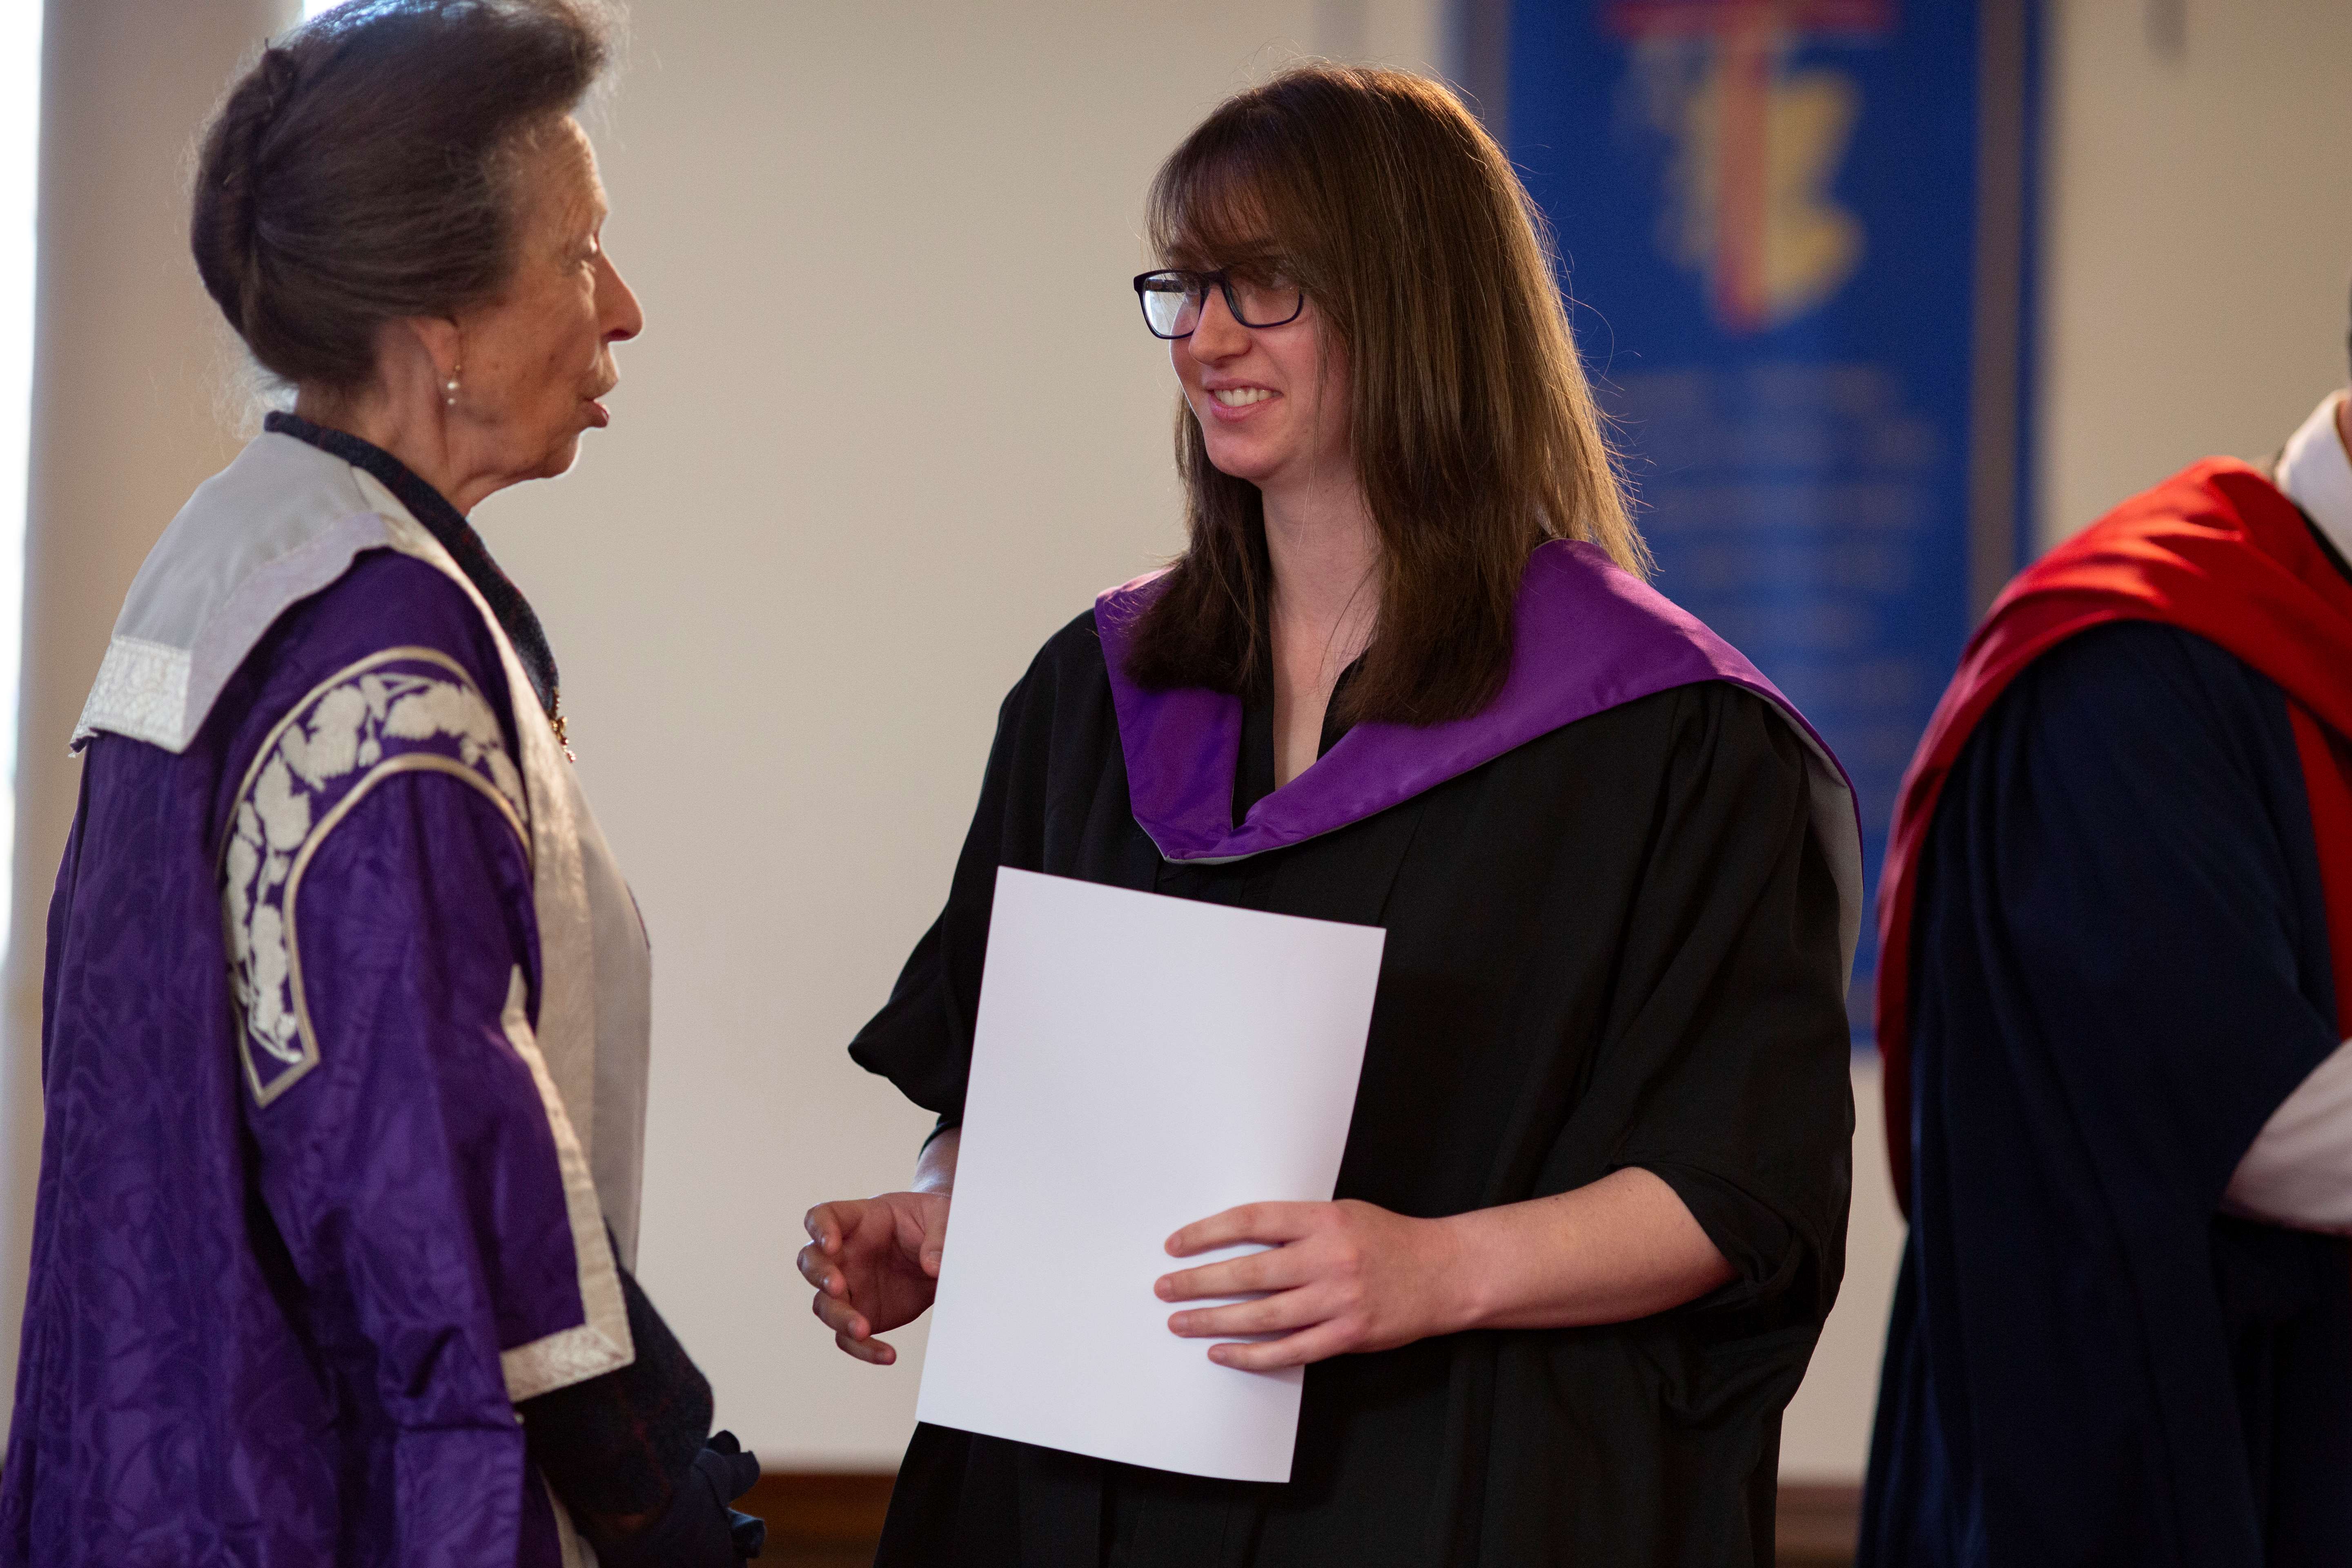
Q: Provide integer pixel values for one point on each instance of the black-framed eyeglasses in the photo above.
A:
(1172, 299)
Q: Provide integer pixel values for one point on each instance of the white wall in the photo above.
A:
(1825, 1436)
(840, 515)
(2200, 238)
(846, 496)
(838, 509)
(895, 419)
(127, 410)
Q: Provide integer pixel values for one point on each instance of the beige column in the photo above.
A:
(132, 407)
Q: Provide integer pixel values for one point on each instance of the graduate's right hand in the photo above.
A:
(876, 1265)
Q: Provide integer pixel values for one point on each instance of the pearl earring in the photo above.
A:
(449, 390)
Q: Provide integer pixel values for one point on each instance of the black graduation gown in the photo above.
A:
(1614, 945)
(2122, 969)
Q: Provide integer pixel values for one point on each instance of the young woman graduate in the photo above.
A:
(2116, 990)
(344, 1021)
(1592, 1206)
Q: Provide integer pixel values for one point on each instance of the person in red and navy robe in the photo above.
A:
(2116, 919)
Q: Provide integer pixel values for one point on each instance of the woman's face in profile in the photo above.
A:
(1272, 401)
(537, 360)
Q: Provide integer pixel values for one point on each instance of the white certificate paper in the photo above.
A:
(1139, 1063)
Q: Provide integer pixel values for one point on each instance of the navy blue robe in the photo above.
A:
(2121, 970)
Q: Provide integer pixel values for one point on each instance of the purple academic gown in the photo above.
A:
(281, 1245)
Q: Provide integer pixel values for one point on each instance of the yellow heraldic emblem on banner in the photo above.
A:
(1757, 145)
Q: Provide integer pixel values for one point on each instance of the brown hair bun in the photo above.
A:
(361, 170)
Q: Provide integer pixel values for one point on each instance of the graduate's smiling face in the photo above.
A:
(537, 360)
(1271, 402)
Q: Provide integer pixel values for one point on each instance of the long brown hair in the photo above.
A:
(1474, 432)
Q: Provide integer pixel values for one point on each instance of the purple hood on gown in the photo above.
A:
(1589, 637)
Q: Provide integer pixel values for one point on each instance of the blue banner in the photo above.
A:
(1796, 232)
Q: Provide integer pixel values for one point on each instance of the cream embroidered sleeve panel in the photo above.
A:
(402, 710)
(400, 713)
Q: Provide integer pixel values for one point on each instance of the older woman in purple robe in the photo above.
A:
(346, 1004)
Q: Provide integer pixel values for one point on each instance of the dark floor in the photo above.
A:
(1818, 1525)
(817, 1520)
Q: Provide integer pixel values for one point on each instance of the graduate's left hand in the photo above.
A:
(1341, 1277)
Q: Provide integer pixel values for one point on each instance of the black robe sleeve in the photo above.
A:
(621, 1444)
(1730, 986)
(2122, 970)
(1717, 1056)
